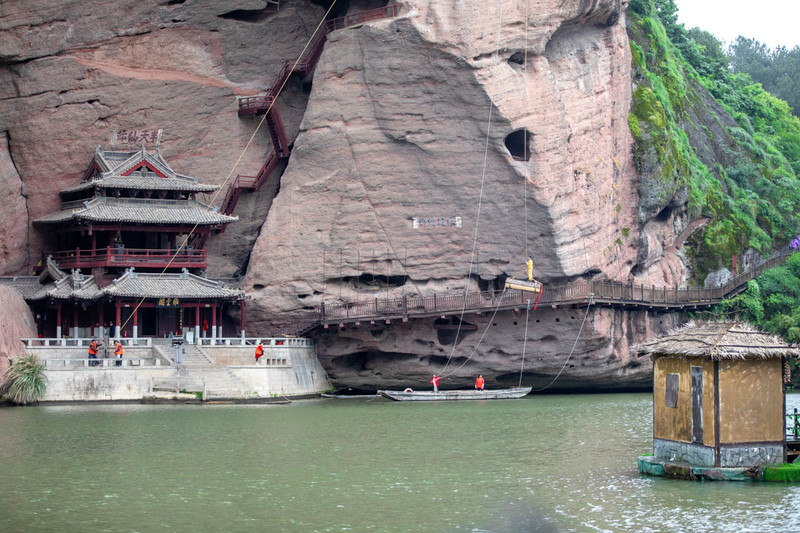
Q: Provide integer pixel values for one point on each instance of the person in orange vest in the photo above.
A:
(435, 382)
(259, 351)
(529, 265)
(118, 352)
(479, 383)
(93, 352)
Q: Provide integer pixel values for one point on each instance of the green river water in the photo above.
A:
(543, 463)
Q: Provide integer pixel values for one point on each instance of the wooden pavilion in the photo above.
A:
(129, 252)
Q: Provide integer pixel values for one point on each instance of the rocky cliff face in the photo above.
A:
(16, 322)
(428, 116)
(504, 130)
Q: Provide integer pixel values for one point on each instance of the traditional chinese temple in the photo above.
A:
(128, 253)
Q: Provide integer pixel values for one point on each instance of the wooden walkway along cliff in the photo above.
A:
(601, 293)
(259, 105)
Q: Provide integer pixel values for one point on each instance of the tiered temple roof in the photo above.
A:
(136, 170)
(132, 284)
(137, 211)
(182, 285)
(138, 173)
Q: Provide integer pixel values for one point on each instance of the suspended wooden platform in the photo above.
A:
(523, 285)
(447, 395)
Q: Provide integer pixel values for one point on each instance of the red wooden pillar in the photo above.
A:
(75, 321)
(117, 329)
(58, 320)
(136, 322)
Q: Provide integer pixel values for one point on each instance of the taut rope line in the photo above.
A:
(228, 177)
(480, 200)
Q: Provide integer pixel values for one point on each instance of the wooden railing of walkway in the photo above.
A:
(603, 293)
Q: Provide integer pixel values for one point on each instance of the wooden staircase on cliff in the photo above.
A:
(265, 104)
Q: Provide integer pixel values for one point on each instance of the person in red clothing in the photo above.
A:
(259, 351)
(118, 352)
(93, 352)
(479, 383)
(435, 382)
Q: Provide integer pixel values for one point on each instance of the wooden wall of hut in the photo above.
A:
(675, 423)
(751, 400)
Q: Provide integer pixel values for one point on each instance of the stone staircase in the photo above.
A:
(195, 357)
(220, 383)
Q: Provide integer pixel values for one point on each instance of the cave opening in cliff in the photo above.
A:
(518, 144)
(250, 15)
(452, 330)
(517, 58)
(378, 281)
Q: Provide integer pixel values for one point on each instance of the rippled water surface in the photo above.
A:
(543, 463)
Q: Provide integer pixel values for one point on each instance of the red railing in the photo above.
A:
(252, 105)
(365, 16)
(129, 257)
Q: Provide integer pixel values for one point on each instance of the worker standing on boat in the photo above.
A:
(259, 351)
(529, 264)
(435, 382)
(479, 383)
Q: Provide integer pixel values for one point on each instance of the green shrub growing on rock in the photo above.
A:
(25, 381)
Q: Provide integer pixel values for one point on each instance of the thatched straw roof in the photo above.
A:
(720, 340)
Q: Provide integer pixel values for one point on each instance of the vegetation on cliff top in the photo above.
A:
(742, 174)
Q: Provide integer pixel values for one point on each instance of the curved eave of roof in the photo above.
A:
(27, 286)
(111, 210)
(144, 183)
(180, 286)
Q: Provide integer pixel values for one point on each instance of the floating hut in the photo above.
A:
(718, 402)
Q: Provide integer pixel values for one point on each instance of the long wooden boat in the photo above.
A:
(443, 395)
(345, 396)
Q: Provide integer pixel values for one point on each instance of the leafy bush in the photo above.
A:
(25, 381)
(772, 302)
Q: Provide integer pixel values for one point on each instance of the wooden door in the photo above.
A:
(697, 404)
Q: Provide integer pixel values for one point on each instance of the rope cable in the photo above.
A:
(475, 349)
(570, 352)
(230, 173)
(480, 198)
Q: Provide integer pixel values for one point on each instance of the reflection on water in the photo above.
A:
(543, 463)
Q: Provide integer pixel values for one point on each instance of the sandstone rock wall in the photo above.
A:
(16, 322)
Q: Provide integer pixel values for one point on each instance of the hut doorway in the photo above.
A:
(697, 404)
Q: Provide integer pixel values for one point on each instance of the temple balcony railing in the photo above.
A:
(129, 257)
(55, 342)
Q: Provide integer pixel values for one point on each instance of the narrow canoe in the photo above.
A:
(489, 394)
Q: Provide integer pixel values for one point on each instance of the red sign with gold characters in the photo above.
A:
(137, 137)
